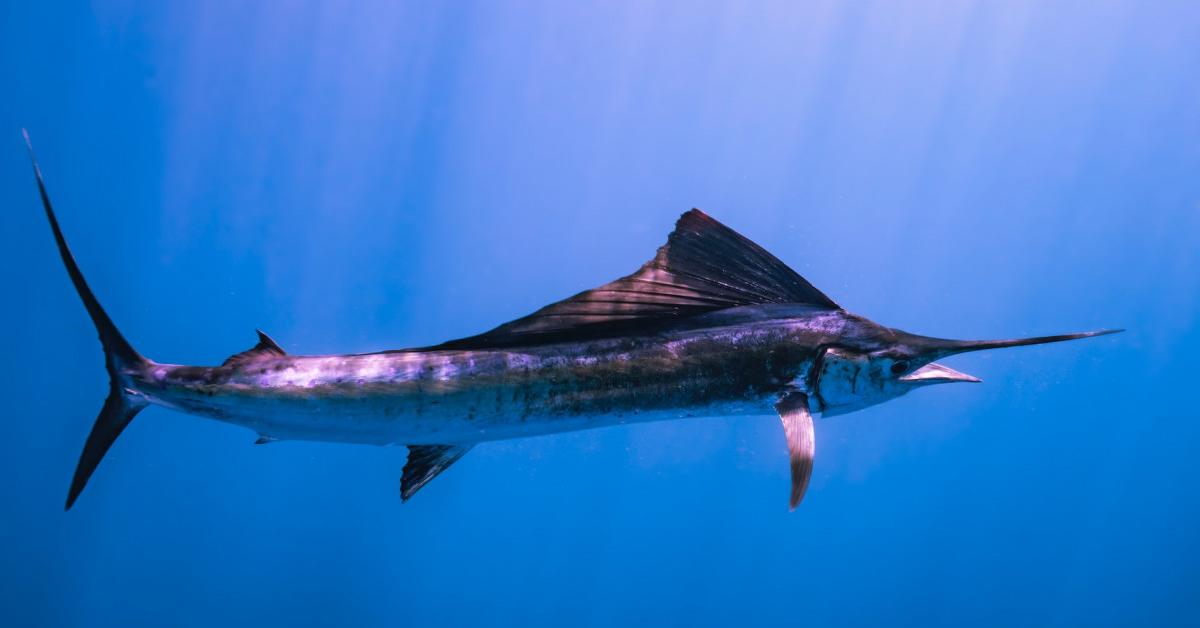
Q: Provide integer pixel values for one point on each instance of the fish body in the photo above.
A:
(734, 363)
(712, 325)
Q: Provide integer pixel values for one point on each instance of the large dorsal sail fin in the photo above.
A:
(704, 266)
(266, 347)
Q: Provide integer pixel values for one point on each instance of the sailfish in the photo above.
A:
(712, 325)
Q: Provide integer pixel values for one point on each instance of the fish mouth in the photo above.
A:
(934, 373)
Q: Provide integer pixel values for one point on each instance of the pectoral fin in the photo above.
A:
(425, 462)
(801, 441)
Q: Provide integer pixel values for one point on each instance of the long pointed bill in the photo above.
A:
(934, 373)
(940, 347)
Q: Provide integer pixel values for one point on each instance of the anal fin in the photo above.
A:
(425, 462)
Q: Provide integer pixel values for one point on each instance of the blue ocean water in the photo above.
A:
(359, 176)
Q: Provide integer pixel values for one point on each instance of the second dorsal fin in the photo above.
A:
(704, 266)
(265, 348)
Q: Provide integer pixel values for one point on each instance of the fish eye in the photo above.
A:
(899, 367)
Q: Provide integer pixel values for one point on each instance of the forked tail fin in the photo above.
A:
(120, 359)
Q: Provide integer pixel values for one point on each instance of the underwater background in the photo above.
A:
(356, 176)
